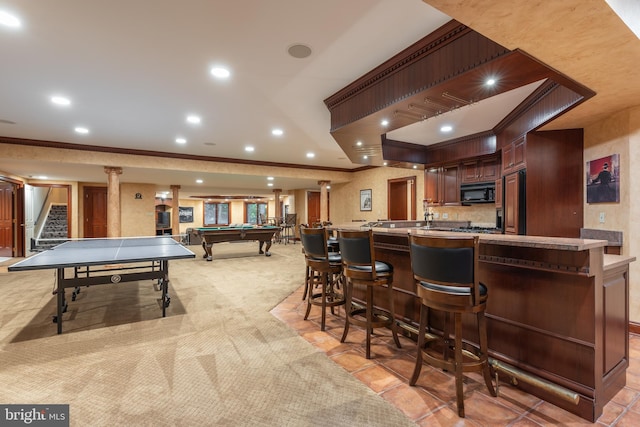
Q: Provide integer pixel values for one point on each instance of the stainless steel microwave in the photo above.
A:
(478, 193)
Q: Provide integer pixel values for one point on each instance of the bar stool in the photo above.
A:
(445, 271)
(324, 269)
(360, 268)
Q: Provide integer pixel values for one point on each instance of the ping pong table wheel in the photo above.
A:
(167, 301)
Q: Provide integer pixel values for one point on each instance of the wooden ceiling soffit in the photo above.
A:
(418, 83)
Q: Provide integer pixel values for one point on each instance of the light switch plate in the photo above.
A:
(602, 217)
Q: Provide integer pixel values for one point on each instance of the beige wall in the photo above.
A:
(138, 216)
(345, 197)
(619, 134)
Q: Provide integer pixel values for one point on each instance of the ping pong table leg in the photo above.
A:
(61, 301)
(166, 300)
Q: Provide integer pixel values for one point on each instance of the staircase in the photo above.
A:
(54, 231)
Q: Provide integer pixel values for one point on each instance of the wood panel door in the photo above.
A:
(313, 207)
(95, 212)
(401, 199)
(6, 219)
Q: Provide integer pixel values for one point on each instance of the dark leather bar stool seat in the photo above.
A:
(445, 271)
(361, 269)
(324, 271)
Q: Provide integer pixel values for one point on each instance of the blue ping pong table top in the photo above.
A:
(75, 253)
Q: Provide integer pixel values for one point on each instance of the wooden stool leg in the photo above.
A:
(308, 278)
(458, 364)
(421, 331)
(348, 289)
(392, 312)
(486, 371)
(369, 315)
(309, 290)
(324, 283)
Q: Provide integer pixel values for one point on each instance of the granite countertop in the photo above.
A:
(543, 242)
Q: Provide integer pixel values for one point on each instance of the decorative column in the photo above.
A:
(113, 200)
(324, 201)
(175, 218)
(278, 212)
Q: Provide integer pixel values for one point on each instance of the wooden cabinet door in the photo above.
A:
(519, 154)
(488, 170)
(511, 204)
(450, 185)
(498, 193)
(431, 184)
(514, 156)
(470, 172)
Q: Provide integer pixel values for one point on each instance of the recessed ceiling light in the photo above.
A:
(490, 82)
(446, 128)
(299, 51)
(82, 130)
(359, 143)
(41, 177)
(277, 132)
(199, 181)
(249, 149)
(181, 140)
(9, 20)
(310, 155)
(385, 123)
(269, 178)
(415, 166)
(193, 119)
(269, 184)
(220, 72)
(60, 100)
(365, 157)
(384, 164)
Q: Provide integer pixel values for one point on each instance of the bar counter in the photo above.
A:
(557, 313)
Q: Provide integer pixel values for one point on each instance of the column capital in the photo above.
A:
(324, 182)
(176, 187)
(113, 169)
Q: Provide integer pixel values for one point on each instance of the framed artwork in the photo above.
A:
(365, 200)
(603, 180)
(185, 214)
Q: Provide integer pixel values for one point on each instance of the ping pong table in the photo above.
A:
(105, 261)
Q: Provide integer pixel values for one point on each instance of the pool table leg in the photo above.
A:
(266, 251)
(207, 250)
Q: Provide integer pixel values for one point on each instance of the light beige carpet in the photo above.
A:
(219, 358)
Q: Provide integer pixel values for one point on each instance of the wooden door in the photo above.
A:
(6, 219)
(95, 212)
(397, 201)
(401, 200)
(313, 207)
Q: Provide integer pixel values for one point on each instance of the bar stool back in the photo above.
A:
(444, 269)
(360, 268)
(324, 270)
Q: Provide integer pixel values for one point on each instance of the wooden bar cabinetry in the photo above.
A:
(558, 311)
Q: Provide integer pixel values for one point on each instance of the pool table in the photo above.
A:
(211, 235)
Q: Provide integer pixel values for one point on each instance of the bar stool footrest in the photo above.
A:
(380, 318)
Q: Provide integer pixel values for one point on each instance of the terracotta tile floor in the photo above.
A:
(432, 401)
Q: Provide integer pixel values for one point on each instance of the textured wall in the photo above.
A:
(619, 134)
(138, 216)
